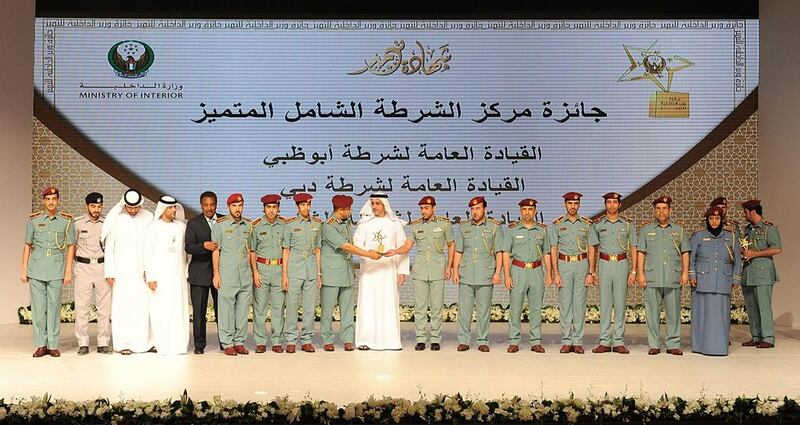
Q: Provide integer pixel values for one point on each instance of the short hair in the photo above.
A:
(208, 194)
(757, 208)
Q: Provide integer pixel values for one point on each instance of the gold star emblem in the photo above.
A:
(651, 64)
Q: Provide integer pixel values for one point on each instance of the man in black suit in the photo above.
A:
(200, 246)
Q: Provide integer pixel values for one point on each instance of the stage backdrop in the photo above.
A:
(455, 109)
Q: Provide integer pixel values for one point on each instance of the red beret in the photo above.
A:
(612, 195)
(527, 202)
(235, 197)
(476, 200)
(718, 201)
(714, 210)
(427, 200)
(271, 199)
(751, 204)
(341, 201)
(50, 190)
(662, 200)
(302, 197)
(572, 196)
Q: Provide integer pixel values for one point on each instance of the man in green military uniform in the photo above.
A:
(433, 236)
(663, 268)
(760, 243)
(728, 223)
(336, 282)
(233, 276)
(526, 261)
(569, 246)
(46, 266)
(612, 260)
(301, 268)
(266, 261)
(477, 265)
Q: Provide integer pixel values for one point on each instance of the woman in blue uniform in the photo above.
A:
(715, 264)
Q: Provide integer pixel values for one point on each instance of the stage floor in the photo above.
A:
(354, 376)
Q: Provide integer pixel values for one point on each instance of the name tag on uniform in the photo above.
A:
(229, 231)
(603, 230)
(84, 231)
(519, 236)
(651, 234)
(437, 229)
(41, 224)
(297, 229)
(563, 228)
(420, 231)
(706, 239)
(262, 233)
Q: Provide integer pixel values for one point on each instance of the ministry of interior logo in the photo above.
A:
(131, 58)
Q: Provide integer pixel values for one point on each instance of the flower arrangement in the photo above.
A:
(440, 409)
(498, 313)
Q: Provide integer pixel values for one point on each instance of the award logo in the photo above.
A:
(130, 58)
(651, 64)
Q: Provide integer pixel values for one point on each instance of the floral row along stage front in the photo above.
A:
(440, 409)
(499, 313)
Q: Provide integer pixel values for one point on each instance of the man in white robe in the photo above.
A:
(378, 317)
(165, 268)
(123, 233)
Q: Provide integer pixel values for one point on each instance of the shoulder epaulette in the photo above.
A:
(586, 220)
(558, 220)
(289, 220)
(768, 223)
(679, 223)
(256, 221)
(599, 219)
(331, 220)
(513, 224)
(35, 214)
(417, 221)
(645, 223)
(223, 218)
(247, 220)
(316, 219)
(282, 219)
(540, 224)
(626, 218)
(65, 215)
(441, 218)
(492, 220)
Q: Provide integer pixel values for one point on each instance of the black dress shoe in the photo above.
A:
(104, 350)
(83, 350)
(199, 351)
(435, 346)
(420, 346)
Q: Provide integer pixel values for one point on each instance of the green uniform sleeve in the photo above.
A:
(499, 239)
(459, 241)
(594, 237)
(773, 237)
(333, 237)
(553, 236)
(253, 242)
(507, 241)
(70, 232)
(685, 245)
(632, 235)
(216, 233)
(287, 237)
(318, 241)
(642, 245)
(29, 233)
(546, 242)
(448, 233)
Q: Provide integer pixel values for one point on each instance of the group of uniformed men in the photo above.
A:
(278, 263)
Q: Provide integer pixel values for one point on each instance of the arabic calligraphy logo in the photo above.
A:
(428, 61)
(650, 64)
(131, 58)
